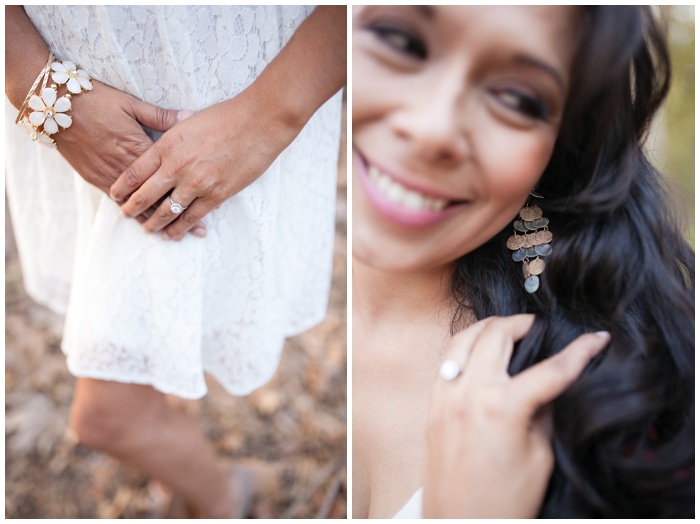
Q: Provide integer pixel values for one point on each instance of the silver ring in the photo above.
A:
(175, 207)
(450, 370)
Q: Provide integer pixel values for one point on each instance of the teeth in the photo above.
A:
(402, 195)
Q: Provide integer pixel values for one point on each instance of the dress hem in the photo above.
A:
(79, 372)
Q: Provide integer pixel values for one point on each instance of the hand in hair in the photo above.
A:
(489, 451)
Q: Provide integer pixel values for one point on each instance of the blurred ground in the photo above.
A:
(292, 432)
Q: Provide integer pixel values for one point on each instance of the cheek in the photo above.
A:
(515, 165)
(367, 95)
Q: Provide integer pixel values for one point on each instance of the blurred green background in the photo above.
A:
(671, 144)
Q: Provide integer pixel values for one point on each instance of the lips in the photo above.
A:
(400, 194)
(402, 205)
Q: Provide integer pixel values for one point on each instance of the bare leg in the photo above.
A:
(135, 424)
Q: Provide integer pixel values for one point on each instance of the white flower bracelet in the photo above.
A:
(50, 109)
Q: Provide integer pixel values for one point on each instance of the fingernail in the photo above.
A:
(605, 335)
(164, 236)
(199, 232)
(181, 115)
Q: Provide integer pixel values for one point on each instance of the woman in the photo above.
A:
(252, 174)
(458, 113)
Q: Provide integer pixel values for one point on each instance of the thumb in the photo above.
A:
(158, 118)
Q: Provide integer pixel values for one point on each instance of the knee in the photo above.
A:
(96, 425)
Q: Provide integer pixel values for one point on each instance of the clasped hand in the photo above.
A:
(107, 136)
(200, 163)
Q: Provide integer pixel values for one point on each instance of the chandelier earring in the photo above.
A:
(531, 242)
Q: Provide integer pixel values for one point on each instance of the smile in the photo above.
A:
(400, 194)
(402, 205)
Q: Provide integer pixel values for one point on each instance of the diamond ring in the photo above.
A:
(450, 370)
(175, 207)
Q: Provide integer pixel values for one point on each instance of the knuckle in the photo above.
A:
(460, 411)
(199, 183)
(140, 147)
(216, 197)
(169, 143)
(216, 193)
(491, 403)
(561, 364)
(162, 116)
(132, 177)
(164, 145)
(188, 218)
(163, 215)
(118, 163)
(498, 323)
(138, 200)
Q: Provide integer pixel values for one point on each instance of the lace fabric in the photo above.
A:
(141, 310)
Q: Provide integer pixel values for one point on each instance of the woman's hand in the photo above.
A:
(224, 148)
(204, 160)
(489, 451)
(106, 136)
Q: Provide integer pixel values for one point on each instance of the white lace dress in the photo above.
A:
(142, 310)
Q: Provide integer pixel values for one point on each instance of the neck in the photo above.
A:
(380, 296)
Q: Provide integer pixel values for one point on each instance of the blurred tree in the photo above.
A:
(672, 142)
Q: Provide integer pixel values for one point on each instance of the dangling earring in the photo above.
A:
(532, 244)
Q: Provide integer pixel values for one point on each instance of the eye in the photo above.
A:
(400, 40)
(528, 105)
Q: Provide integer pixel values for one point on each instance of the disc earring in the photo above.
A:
(530, 242)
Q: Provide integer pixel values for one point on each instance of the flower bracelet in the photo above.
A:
(49, 110)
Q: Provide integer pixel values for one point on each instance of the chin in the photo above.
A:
(394, 259)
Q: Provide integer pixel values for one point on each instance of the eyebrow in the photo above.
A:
(538, 64)
(429, 12)
(425, 11)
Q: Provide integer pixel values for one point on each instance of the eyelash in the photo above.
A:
(527, 105)
(410, 44)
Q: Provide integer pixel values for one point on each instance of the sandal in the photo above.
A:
(245, 481)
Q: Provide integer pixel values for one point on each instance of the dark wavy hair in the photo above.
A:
(624, 431)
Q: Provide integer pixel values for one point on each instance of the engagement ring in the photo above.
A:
(175, 207)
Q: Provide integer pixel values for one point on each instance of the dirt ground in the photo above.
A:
(291, 432)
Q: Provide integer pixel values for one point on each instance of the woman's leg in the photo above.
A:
(135, 424)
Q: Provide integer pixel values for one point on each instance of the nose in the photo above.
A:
(431, 118)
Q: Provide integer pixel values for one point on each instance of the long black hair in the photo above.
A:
(624, 432)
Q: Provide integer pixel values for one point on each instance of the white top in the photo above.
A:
(413, 509)
(142, 310)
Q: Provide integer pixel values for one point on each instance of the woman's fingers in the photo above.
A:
(188, 220)
(170, 209)
(135, 175)
(494, 346)
(462, 343)
(488, 341)
(156, 117)
(545, 381)
(150, 194)
(199, 229)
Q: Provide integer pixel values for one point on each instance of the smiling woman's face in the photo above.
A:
(455, 114)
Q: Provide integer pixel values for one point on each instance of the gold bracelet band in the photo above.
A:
(49, 113)
(43, 75)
